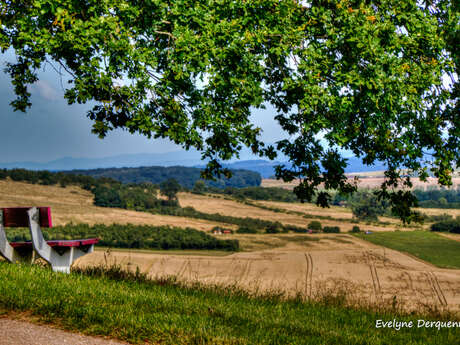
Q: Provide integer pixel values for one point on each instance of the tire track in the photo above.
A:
(410, 282)
(436, 288)
(308, 274)
(374, 275)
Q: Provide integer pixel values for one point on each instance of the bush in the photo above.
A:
(246, 230)
(315, 226)
(447, 226)
(355, 229)
(331, 229)
(274, 228)
(441, 217)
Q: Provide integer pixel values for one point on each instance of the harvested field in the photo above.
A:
(365, 182)
(226, 207)
(73, 204)
(337, 264)
(439, 211)
(333, 211)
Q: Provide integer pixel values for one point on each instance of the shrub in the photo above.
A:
(246, 230)
(274, 228)
(315, 226)
(331, 229)
(447, 226)
(441, 217)
(355, 229)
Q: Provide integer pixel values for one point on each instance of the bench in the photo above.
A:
(60, 254)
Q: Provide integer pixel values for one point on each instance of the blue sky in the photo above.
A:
(51, 129)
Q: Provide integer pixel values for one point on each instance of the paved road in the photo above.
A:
(14, 332)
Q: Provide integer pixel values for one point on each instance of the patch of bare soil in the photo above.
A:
(332, 264)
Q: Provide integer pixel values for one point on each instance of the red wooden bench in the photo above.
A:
(59, 253)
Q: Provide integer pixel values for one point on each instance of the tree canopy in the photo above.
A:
(378, 78)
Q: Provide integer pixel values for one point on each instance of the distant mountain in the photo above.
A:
(177, 158)
(267, 168)
(183, 158)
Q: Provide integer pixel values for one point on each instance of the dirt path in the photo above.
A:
(15, 332)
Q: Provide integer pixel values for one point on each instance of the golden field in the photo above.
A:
(73, 204)
(289, 263)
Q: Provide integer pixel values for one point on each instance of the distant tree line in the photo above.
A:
(254, 193)
(438, 198)
(133, 236)
(185, 176)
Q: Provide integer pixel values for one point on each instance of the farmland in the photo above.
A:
(366, 180)
(364, 274)
(73, 204)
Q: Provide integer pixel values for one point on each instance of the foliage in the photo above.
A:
(133, 236)
(163, 311)
(246, 230)
(331, 229)
(447, 226)
(170, 188)
(426, 245)
(199, 187)
(315, 226)
(355, 229)
(186, 176)
(274, 228)
(438, 198)
(258, 193)
(440, 217)
(366, 205)
(366, 76)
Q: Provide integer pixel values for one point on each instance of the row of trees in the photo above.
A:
(133, 236)
(185, 176)
(254, 193)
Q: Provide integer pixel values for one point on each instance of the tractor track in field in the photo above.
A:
(308, 275)
(436, 288)
(374, 275)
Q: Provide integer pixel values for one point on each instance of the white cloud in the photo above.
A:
(45, 90)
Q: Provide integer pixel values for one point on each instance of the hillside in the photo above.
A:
(73, 204)
(292, 263)
(186, 176)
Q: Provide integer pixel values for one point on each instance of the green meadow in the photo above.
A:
(141, 311)
(425, 245)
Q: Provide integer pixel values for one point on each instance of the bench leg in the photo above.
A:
(10, 253)
(60, 259)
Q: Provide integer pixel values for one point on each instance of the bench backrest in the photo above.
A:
(17, 217)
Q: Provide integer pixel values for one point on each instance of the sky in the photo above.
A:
(52, 129)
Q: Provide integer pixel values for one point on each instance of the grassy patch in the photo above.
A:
(142, 311)
(428, 246)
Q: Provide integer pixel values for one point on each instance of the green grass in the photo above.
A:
(164, 312)
(428, 246)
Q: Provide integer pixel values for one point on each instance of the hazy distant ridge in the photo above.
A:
(183, 158)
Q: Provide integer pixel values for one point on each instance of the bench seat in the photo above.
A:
(60, 254)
